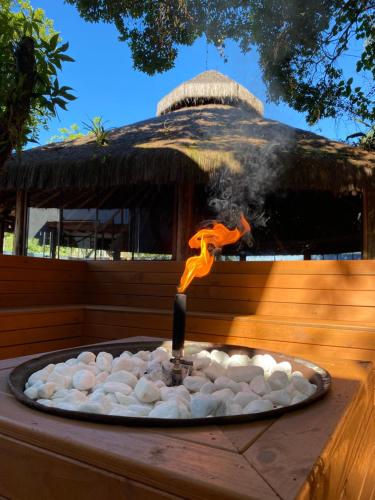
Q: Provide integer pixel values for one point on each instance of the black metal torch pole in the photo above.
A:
(179, 316)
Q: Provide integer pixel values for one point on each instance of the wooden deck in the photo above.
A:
(318, 452)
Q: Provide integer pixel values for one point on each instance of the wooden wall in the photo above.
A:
(28, 281)
(37, 305)
(301, 307)
(320, 308)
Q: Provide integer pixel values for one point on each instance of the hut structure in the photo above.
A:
(145, 190)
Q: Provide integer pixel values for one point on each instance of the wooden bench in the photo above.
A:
(40, 305)
(319, 308)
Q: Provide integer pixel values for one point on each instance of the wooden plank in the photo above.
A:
(308, 351)
(237, 294)
(53, 476)
(331, 312)
(33, 318)
(177, 466)
(39, 299)
(13, 261)
(293, 434)
(35, 286)
(39, 347)
(45, 275)
(42, 334)
(310, 282)
(344, 267)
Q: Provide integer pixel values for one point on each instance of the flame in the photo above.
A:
(208, 240)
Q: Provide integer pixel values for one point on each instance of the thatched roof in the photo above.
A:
(210, 87)
(187, 145)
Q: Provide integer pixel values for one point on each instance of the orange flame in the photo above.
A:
(208, 240)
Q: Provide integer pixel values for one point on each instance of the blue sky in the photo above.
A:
(106, 84)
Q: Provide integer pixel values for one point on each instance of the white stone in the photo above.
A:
(278, 380)
(226, 383)
(64, 405)
(203, 354)
(72, 361)
(86, 357)
(126, 400)
(214, 371)
(75, 397)
(239, 360)
(112, 387)
(49, 368)
(194, 383)
(91, 407)
(32, 392)
(202, 362)
(38, 376)
(265, 361)
(124, 377)
(104, 361)
(280, 397)
(46, 390)
(284, 366)
(160, 354)
(298, 397)
(58, 379)
(139, 409)
(244, 398)
(60, 394)
(62, 368)
(146, 391)
(177, 392)
(258, 406)
(220, 357)
(170, 409)
(143, 355)
(303, 385)
(46, 402)
(260, 386)
(233, 409)
(244, 373)
(83, 380)
(203, 405)
(244, 387)
(101, 378)
(208, 388)
(159, 383)
(223, 395)
(122, 364)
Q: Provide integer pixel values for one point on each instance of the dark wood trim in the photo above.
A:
(20, 224)
(368, 225)
(185, 193)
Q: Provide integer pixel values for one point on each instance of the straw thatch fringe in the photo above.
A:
(187, 146)
(208, 87)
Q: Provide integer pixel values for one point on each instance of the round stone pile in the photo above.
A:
(137, 385)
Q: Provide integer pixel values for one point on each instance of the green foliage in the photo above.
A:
(67, 134)
(366, 140)
(95, 127)
(300, 43)
(20, 22)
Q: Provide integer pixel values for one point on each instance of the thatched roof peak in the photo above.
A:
(209, 87)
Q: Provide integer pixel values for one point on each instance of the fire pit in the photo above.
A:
(20, 375)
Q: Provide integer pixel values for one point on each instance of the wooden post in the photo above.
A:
(2, 230)
(183, 220)
(19, 247)
(368, 226)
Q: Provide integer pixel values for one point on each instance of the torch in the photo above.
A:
(209, 241)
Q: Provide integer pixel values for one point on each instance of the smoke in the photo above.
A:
(255, 146)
